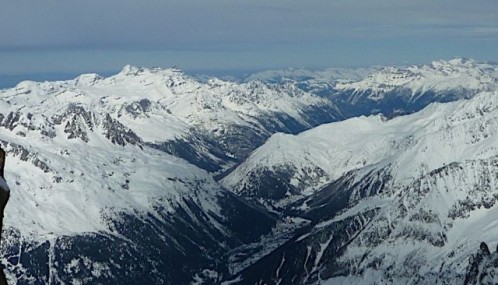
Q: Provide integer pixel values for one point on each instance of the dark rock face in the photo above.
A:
(344, 193)
(11, 120)
(4, 198)
(311, 253)
(79, 122)
(270, 185)
(25, 155)
(117, 133)
(77, 119)
(139, 108)
(483, 267)
(248, 222)
(309, 256)
(200, 150)
(394, 103)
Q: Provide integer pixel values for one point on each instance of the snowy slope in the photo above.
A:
(93, 199)
(319, 82)
(432, 138)
(401, 201)
(54, 178)
(109, 180)
(391, 90)
(438, 76)
(165, 107)
(69, 195)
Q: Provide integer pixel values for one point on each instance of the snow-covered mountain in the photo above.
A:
(391, 90)
(396, 91)
(326, 152)
(401, 201)
(95, 199)
(438, 76)
(113, 214)
(319, 82)
(116, 180)
(211, 124)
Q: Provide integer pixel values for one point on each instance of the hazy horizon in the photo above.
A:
(9, 81)
(46, 38)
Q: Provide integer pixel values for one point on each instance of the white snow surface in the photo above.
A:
(92, 179)
(417, 207)
(177, 101)
(415, 144)
(457, 74)
(156, 104)
(330, 75)
(85, 180)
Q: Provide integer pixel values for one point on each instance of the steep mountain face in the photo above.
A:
(482, 267)
(401, 201)
(420, 233)
(438, 135)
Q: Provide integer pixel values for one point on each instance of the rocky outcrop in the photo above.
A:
(4, 190)
(483, 267)
(4, 198)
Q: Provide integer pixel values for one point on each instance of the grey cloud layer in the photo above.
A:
(200, 24)
(73, 36)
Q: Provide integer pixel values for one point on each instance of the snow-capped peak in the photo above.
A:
(88, 79)
(130, 70)
(455, 74)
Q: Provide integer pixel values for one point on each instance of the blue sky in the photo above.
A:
(71, 37)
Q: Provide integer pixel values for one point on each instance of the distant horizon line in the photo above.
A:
(11, 80)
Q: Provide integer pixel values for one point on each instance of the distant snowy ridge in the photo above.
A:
(179, 101)
(442, 75)
(331, 75)
(460, 75)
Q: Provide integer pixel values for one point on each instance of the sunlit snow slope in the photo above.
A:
(400, 201)
(96, 199)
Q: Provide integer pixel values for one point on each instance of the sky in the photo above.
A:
(55, 37)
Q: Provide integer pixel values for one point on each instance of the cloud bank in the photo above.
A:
(52, 35)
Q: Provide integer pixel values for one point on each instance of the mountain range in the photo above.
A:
(381, 175)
